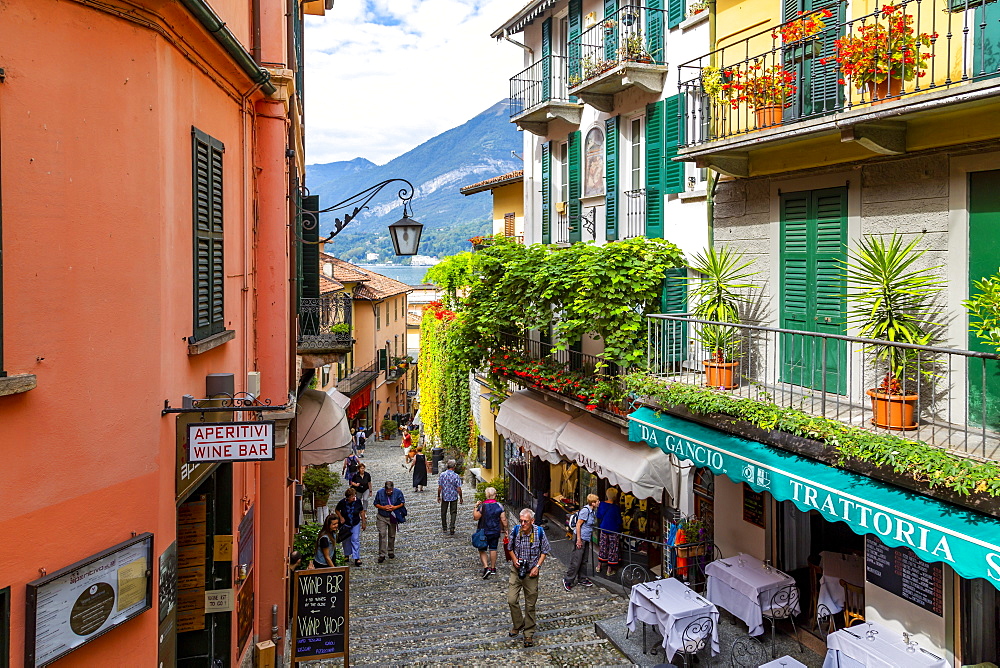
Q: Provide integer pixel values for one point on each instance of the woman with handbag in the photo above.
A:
(419, 468)
(326, 543)
(492, 523)
(609, 520)
(351, 513)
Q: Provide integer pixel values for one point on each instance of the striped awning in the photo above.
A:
(525, 16)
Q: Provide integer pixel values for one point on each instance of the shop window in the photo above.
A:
(207, 205)
(980, 617)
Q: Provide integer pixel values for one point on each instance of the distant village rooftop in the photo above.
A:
(372, 286)
(495, 182)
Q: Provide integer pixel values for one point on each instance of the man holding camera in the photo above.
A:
(528, 546)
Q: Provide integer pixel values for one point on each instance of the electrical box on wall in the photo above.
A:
(253, 383)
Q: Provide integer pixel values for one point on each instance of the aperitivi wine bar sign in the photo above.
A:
(231, 441)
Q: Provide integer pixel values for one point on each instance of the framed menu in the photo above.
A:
(753, 506)
(900, 571)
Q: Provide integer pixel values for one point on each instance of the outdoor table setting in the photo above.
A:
(870, 645)
(837, 567)
(784, 662)
(670, 605)
(744, 585)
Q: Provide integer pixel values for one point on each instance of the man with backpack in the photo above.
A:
(583, 527)
(528, 547)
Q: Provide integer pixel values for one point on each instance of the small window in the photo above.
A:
(207, 205)
(508, 224)
(378, 316)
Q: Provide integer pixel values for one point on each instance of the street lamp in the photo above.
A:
(405, 232)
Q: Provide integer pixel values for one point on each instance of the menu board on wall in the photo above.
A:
(319, 627)
(753, 506)
(191, 528)
(900, 571)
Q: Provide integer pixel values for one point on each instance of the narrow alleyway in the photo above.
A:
(430, 604)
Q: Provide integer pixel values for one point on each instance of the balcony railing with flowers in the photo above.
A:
(822, 63)
(541, 82)
(325, 324)
(586, 379)
(632, 34)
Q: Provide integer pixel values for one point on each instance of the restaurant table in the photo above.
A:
(850, 648)
(670, 611)
(745, 590)
(784, 662)
(837, 566)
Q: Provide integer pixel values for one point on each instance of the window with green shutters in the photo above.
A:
(813, 289)
(611, 178)
(575, 27)
(207, 198)
(819, 90)
(673, 333)
(575, 226)
(547, 193)
(984, 255)
(654, 170)
(673, 172)
(675, 13)
(655, 30)
(546, 59)
(611, 37)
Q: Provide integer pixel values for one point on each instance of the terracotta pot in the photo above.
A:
(721, 374)
(320, 500)
(768, 116)
(884, 91)
(894, 411)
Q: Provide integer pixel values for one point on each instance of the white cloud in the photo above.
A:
(383, 76)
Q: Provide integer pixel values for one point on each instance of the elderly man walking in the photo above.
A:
(529, 547)
(449, 496)
(389, 501)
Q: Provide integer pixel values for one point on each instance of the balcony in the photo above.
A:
(622, 52)
(324, 328)
(538, 95)
(817, 76)
(585, 381)
(397, 369)
(358, 379)
(949, 398)
(634, 223)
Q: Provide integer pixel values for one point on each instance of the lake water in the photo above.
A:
(403, 274)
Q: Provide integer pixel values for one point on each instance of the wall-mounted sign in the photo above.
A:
(900, 571)
(753, 506)
(320, 608)
(76, 604)
(231, 441)
(219, 600)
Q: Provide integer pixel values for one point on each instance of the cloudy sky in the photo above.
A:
(383, 76)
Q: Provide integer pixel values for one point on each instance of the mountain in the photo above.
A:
(474, 151)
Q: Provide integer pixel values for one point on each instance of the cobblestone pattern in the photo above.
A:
(430, 606)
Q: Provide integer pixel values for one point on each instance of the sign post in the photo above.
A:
(321, 614)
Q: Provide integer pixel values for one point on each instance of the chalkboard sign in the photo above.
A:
(900, 571)
(319, 630)
(753, 506)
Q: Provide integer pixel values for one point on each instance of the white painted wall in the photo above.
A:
(732, 534)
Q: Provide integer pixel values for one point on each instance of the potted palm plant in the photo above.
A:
(717, 295)
(891, 299)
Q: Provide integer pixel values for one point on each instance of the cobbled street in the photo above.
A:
(430, 605)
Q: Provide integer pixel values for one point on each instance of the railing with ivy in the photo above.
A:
(633, 34)
(542, 82)
(821, 63)
(325, 322)
(943, 397)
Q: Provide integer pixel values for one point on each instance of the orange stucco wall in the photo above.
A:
(95, 170)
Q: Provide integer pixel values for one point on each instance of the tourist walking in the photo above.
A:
(493, 521)
(528, 546)
(419, 468)
(326, 543)
(362, 484)
(582, 532)
(390, 504)
(360, 439)
(449, 496)
(351, 513)
(609, 520)
(351, 465)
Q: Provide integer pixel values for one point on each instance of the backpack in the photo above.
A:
(516, 531)
(574, 518)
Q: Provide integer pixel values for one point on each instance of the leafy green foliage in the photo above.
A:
(452, 274)
(984, 310)
(500, 485)
(445, 407)
(921, 462)
(305, 542)
(717, 295)
(319, 480)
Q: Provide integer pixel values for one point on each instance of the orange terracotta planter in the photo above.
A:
(884, 91)
(768, 116)
(894, 411)
(721, 374)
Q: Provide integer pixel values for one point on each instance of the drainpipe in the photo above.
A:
(213, 24)
(527, 48)
(712, 181)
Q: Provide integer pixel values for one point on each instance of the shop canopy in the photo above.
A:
(936, 531)
(324, 435)
(532, 424)
(601, 449)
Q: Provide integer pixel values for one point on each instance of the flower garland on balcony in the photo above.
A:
(759, 86)
(593, 390)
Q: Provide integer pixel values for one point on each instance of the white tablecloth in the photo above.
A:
(670, 612)
(745, 590)
(850, 648)
(837, 566)
(789, 662)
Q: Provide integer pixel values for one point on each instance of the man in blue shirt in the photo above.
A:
(582, 532)
(389, 501)
(449, 496)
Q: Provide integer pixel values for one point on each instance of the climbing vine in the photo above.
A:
(445, 407)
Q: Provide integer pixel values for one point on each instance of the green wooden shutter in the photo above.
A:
(673, 172)
(675, 13)
(575, 27)
(546, 59)
(673, 299)
(611, 178)
(654, 30)
(575, 226)
(207, 203)
(654, 170)
(611, 40)
(383, 357)
(819, 90)
(310, 251)
(984, 254)
(547, 192)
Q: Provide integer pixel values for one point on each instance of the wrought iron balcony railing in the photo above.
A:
(634, 224)
(632, 34)
(944, 397)
(541, 82)
(824, 62)
(358, 379)
(560, 227)
(325, 324)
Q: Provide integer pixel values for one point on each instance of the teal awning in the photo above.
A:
(966, 540)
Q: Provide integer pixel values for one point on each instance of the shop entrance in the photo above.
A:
(980, 622)
(203, 640)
